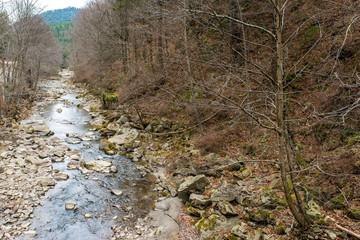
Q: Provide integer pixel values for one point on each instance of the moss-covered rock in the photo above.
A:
(338, 202)
(110, 99)
(216, 236)
(194, 211)
(354, 214)
(206, 226)
(313, 210)
(280, 229)
(261, 216)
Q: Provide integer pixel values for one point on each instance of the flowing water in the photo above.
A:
(93, 193)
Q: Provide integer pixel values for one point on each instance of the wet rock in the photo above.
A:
(199, 201)
(126, 135)
(42, 129)
(104, 144)
(75, 157)
(60, 176)
(70, 206)
(72, 165)
(116, 192)
(59, 110)
(227, 192)
(30, 233)
(226, 208)
(47, 182)
(100, 166)
(197, 183)
(71, 135)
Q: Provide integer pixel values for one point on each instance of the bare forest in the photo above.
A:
(269, 80)
(28, 52)
(257, 97)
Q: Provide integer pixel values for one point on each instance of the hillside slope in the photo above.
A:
(60, 15)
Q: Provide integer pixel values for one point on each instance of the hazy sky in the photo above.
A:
(59, 4)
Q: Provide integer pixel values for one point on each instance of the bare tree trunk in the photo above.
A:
(160, 38)
(189, 71)
(285, 162)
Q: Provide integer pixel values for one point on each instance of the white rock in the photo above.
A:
(70, 205)
(116, 192)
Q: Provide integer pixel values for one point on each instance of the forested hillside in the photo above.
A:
(65, 15)
(273, 82)
(60, 22)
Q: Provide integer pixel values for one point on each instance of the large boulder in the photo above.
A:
(227, 192)
(126, 135)
(197, 183)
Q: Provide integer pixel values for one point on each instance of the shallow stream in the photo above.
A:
(91, 193)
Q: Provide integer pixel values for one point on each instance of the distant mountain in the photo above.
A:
(65, 15)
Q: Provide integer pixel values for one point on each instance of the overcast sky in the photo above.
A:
(59, 4)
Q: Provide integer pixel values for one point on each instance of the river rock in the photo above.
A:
(126, 135)
(60, 176)
(197, 183)
(100, 166)
(31, 233)
(70, 205)
(226, 208)
(104, 144)
(199, 201)
(42, 129)
(36, 161)
(47, 182)
(116, 192)
(72, 165)
(227, 192)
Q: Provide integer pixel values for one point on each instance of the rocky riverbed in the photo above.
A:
(55, 183)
